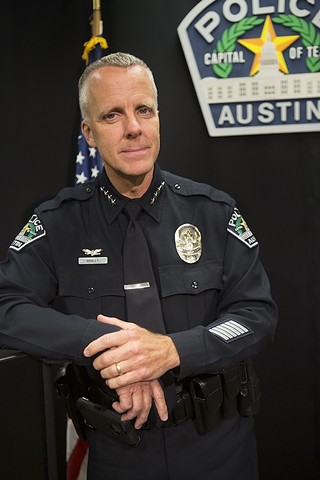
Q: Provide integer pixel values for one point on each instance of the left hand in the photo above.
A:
(141, 355)
(135, 401)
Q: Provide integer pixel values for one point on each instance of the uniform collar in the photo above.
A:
(151, 201)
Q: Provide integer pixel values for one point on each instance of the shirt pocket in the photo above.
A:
(90, 290)
(189, 294)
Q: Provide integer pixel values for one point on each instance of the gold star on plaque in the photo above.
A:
(281, 43)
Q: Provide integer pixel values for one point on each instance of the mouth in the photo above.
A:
(132, 151)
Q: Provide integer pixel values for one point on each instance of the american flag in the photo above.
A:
(88, 160)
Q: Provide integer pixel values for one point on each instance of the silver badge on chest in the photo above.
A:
(188, 243)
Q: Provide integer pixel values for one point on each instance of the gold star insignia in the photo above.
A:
(281, 43)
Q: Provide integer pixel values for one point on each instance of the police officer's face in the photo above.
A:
(123, 122)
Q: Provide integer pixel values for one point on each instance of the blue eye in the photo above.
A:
(110, 116)
(145, 111)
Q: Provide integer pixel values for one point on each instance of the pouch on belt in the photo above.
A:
(207, 395)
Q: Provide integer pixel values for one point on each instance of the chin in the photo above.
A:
(140, 169)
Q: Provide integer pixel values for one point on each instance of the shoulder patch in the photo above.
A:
(32, 231)
(238, 227)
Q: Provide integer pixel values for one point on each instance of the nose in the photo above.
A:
(133, 127)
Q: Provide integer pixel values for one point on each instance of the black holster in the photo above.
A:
(88, 406)
(72, 383)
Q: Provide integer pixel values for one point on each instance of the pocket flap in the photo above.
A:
(190, 279)
(91, 281)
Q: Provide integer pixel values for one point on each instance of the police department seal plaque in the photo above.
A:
(188, 243)
(255, 64)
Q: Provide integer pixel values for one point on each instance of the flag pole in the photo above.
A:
(97, 25)
(97, 30)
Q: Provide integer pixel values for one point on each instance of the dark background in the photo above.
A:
(274, 178)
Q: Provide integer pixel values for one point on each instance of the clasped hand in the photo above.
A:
(142, 357)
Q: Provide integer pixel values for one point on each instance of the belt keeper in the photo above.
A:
(231, 387)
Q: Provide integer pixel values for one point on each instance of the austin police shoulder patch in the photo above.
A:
(238, 227)
(32, 231)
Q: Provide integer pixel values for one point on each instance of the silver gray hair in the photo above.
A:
(119, 59)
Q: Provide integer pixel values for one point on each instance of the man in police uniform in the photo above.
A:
(215, 296)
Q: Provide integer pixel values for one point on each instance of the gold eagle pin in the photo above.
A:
(188, 243)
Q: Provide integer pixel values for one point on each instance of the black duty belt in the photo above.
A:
(211, 398)
(205, 398)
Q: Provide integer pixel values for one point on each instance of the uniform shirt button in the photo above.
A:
(91, 290)
(177, 186)
(194, 285)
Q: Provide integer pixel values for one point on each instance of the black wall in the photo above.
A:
(32, 420)
(273, 177)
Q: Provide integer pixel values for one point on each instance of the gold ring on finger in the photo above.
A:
(118, 368)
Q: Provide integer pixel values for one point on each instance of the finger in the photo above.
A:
(132, 412)
(108, 372)
(106, 369)
(123, 380)
(105, 342)
(144, 413)
(140, 419)
(111, 366)
(108, 360)
(113, 321)
(140, 409)
(159, 400)
(124, 404)
(119, 408)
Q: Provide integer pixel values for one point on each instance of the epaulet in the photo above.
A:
(81, 193)
(186, 187)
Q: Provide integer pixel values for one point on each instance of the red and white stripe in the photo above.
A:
(76, 455)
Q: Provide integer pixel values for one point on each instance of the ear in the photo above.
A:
(87, 133)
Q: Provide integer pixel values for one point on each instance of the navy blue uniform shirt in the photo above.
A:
(71, 247)
(65, 267)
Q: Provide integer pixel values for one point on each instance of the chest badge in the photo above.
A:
(188, 243)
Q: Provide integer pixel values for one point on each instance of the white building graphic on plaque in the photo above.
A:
(268, 83)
